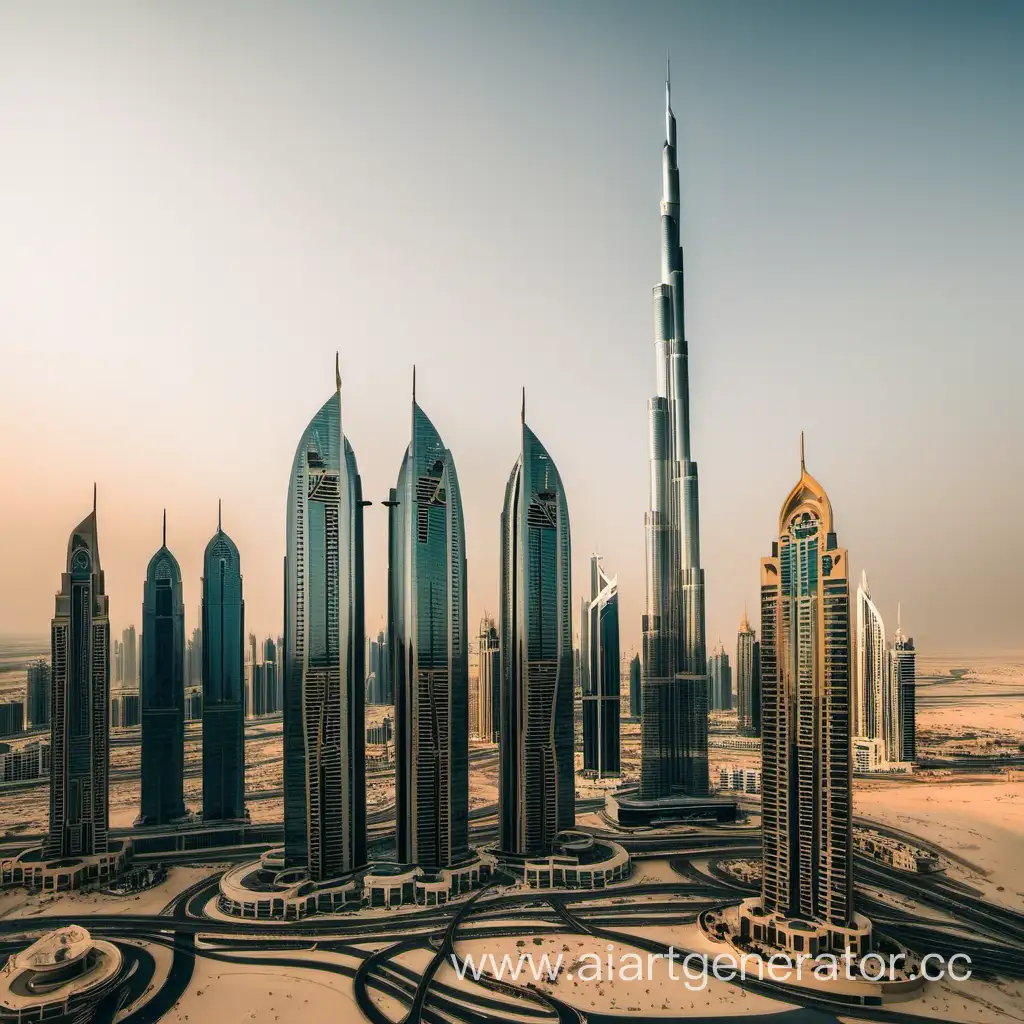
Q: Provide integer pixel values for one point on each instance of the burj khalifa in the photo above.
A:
(674, 713)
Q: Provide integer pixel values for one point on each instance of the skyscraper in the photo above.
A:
(720, 680)
(194, 656)
(79, 738)
(903, 675)
(223, 677)
(427, 566)
(807, 890)
(674, 730)
(163, 690)
(489, 650)
(38, 693)
(634, 687)
(870, 694)
(131, 662)
(537, 791)
(748, 695)
(599, 658)
(324, 719)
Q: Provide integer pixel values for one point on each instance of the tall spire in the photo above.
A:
(668, 82)
(165, 527)
(414, 382)
(523, 413)
(94, 498)
(803, 464)
(218, 515)
(337, 372)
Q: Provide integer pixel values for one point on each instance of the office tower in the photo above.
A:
(194, 656)
(324, 721)
(599, 658)
(536, 792)
(489, 650)
(634, 687)
(719, 680)
(12, 718)
(131, 663)
(117, 664)
(748, 697)
(474, 704)
(903, 675)
(674, 730)
(223, 632)
(427, 570)
(38, 692)
(806, 765)
(163, 690)
(80, 681)
(870, 695)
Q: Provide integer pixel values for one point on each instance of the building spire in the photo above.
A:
(94, 499)
(414, 382)
(218, 515)
(165, 527)
(523, 413)
(337, 372)
(803, 464)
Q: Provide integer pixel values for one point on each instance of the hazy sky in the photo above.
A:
(201, 202)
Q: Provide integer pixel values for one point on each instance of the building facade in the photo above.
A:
(163, 690)
(536, 773)
(430, 666)
(324, 659)
(599, 657)
(635, 687)
(807, 810)
(38, 693)
(223, 679)
(489, 673)
(720, 680)
(903, 673)
(674, 730)
(80, 680)
(748, 688)
(869, 707)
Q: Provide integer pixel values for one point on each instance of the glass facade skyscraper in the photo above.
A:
(748, 690)
(163, 690)
(489, 653)
(599, 660)
(674, 729)
(223, 679)
(80, 678)
(635, 687)
(903, 676)
(324, 653)
(37, 702)
(536, 773)
(427, 566)
(807, 810)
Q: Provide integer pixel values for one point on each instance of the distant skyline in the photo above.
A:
(202, 204)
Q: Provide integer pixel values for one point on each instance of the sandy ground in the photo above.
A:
(18, 903)
(982, 822)
(239, 993)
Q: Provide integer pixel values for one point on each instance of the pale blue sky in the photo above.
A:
(201, 202)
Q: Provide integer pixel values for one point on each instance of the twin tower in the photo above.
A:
(428, 629)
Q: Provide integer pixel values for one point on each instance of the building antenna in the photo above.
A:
(165, 527)
(523, 414)
(94, 499)
(337, 372)
(218, 515)
(414, 382)
(803, 465)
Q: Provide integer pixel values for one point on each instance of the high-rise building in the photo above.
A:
(872, 667)
(223, 633)
(748, 695)
(163, 690)
(117, 664)
(634, 687)
(720, 680)
(674, 730)
(807, 814)
(12, 718)
(80, 678)
(903, 674)
(194, 656)
(38, 692)
(430, 663)
(489, 651)
(599, 658)
(537, 791)
(131, 662)
(324, 655)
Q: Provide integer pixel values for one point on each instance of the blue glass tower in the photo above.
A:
(324, 653)
(430, 651)
(223, 678)
(537, 790)
(599, 654)
(163, 690)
